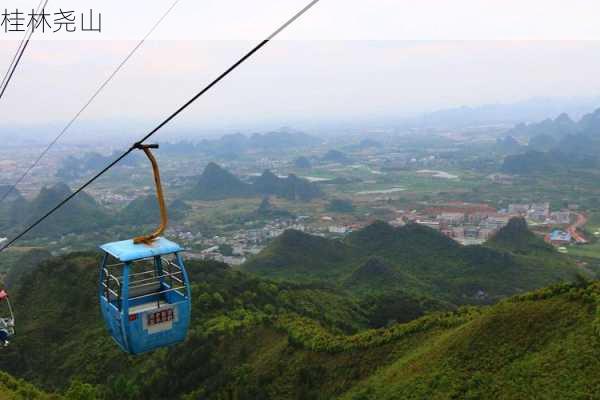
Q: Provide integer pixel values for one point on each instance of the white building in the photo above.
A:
(560, 217)
(341, 230)
(432, 224)
(518, 208)
(541, 208)
(234, 260)
(212, 249)
(451, 217)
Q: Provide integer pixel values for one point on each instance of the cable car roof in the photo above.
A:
(126, 250)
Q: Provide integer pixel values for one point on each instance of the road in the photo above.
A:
(581, 221)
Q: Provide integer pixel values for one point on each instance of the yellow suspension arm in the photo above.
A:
(164, 219)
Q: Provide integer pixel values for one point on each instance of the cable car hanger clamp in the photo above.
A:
(164, 218)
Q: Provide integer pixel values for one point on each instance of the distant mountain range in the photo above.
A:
(237, 144)
(556, 144)
(556, 128)
(216, 183)
(534, 109)
(74, 167)
(336, 156)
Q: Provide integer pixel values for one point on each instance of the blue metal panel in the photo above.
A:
(141, 339)
(124, 317)
(126, 250)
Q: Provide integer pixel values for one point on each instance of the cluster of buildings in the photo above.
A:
(243, 243)
(540, 213)
(466, 223)
(470, 223)
(240, 244)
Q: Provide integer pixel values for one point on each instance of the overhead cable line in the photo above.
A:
(162, 124)
(87, 104)
(19, 54)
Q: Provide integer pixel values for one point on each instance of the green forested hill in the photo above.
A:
(217, 183)
(545, 345)
(82, 214)
(291, 187)
(516, 238)
(419, 261)
(256, 339)
(144, 210)
(61, 337)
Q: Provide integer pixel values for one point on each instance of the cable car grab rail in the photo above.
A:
(161, 292)
(154, 277)
(154, 282)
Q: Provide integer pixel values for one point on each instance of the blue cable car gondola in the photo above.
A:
(144, 289)
(145, 296)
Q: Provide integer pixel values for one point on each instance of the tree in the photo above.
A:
(226, 250)
(82, 391)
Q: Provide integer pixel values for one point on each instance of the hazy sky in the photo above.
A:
(291, 81)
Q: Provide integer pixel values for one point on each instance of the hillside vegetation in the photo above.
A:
(418, 261)
(16, 389)
(82, 214)
(256, 339)
(557, 145)
(63, 339)
(516, 238)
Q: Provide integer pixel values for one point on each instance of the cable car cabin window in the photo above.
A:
(145, 279)
(111, 284)
(150, 280)
(173, 274)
